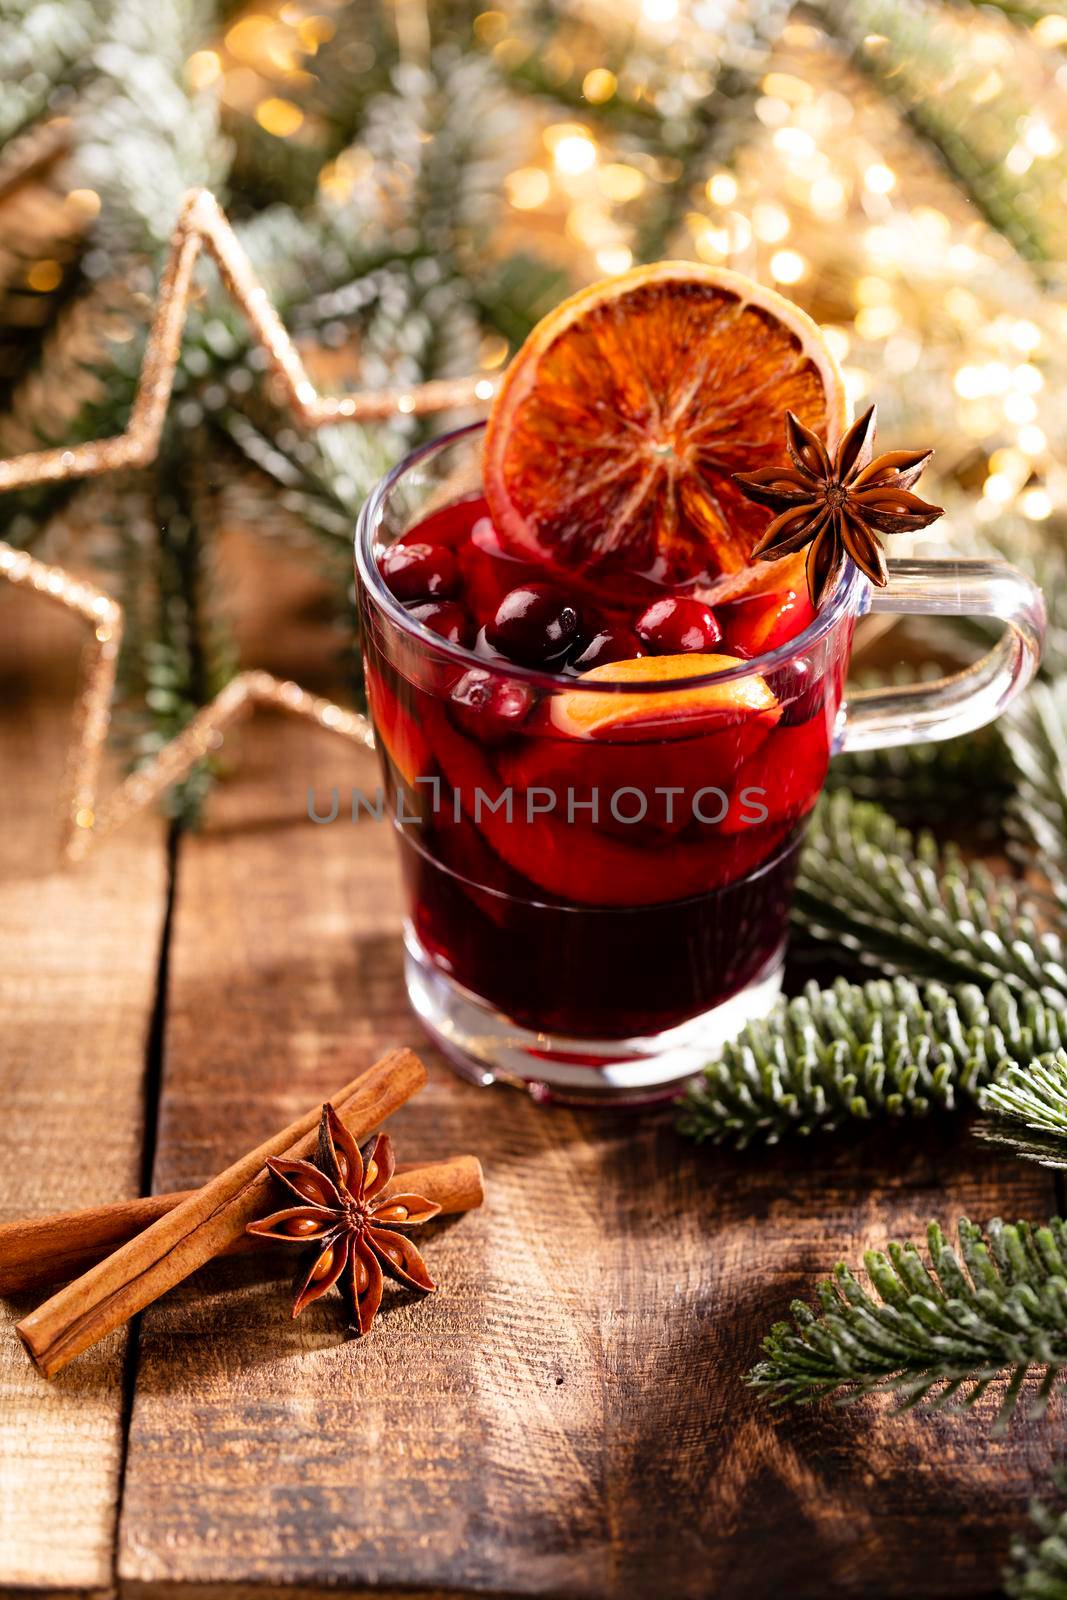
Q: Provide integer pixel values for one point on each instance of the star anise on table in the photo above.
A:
(349, 1222)
(838, 506)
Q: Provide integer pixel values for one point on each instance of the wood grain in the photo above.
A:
(567, 1416)
(78, 958)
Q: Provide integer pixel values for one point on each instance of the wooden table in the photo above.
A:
(567, 1416)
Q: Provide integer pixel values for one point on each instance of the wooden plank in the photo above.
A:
(79, 952)
(567, 1416)
(808, 1501)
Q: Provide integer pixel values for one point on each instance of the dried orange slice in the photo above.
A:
(621, 421)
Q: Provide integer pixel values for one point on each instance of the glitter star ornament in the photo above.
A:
(201, 225)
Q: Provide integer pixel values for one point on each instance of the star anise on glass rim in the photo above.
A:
(839, 506)
(342, 1215)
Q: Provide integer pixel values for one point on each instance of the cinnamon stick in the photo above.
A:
(199, 1228)
(44, 1251)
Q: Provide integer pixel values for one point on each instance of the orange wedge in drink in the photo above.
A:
(615, 714)
(620, 423)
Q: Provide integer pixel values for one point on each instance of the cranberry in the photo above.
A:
(490, 707)
(612, 643)
(800, 690)
(420, 571)
(677, 625)
(446, 617)
(483, 648)
(533, 624)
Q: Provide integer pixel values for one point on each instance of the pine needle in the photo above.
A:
(903, 905)
(932, 1334)
(1036, 735)
(1030, 1105)
(859, 1051)
(1039, 1572)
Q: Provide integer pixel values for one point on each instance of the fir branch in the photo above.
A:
(414, 322)
(80, 387)
(515, 293)
(857, 1051)
(699, 130)
(932, 1334)
(324, 479)
(143, 140)
(934, 784)
(1041, 552)
(44, 45)
(927, 61)
(718, 125)
(1039, 1572)
(1030, 1103)
(1035, 732)
(900, 903)
(187, 658)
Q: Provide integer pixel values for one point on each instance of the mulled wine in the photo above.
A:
(600, 804)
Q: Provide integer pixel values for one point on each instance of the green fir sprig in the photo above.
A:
(1035, 732)
(930, 62)
(1028, 1104)
(44, 48)
(904, 904)
(936, 1333)
(858, 1051)
(1039, 1571)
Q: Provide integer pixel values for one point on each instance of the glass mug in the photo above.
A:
(599, 874)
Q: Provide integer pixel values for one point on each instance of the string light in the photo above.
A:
(1027, 378)
(527, 188)
(1040, 139)
(794, 142)
(827, 195)
(1032, 440)
(722, 188)
(1026, 336)
(614, 258)
(877, 322)
(770, 222)
(86, 202)
(900, 254)
(788, 266)
(1036, 504)
(44, 276)
(838, 340)
(599, 85)
(1019, 408)
(280, 117)
(619, 182)
(575, 154)
(879, 178)
(203, 68)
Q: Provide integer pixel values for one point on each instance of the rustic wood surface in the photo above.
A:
(566, 1416)
(79, 956)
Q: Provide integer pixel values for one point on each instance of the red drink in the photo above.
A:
(604, 702)
(600, 803)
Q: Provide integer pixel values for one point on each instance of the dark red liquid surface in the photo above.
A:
(673, 893)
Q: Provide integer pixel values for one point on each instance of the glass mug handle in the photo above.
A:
(874, 719)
